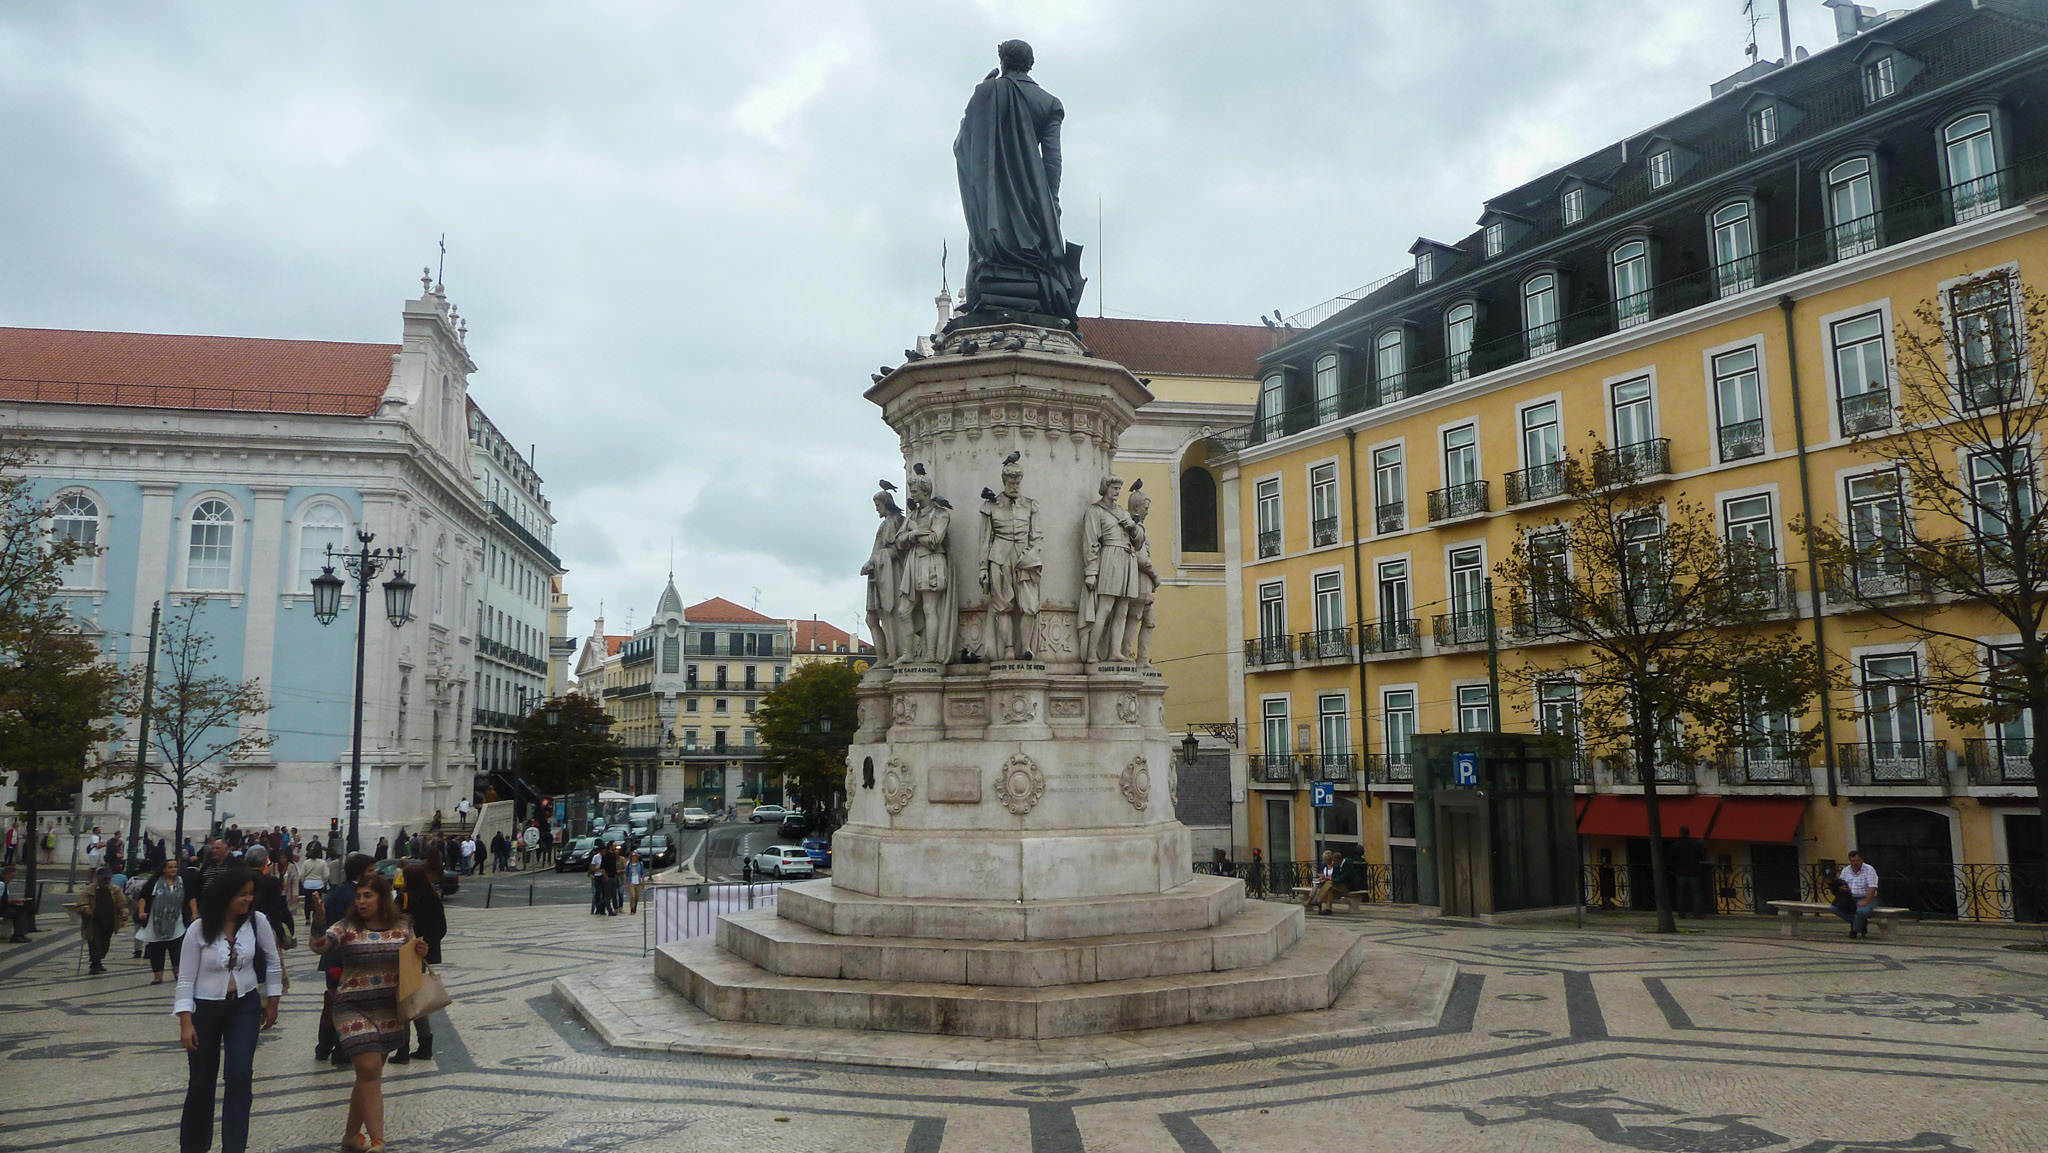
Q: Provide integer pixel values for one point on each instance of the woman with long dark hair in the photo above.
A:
(163, 921)
(227, 953)
(422, 904)
(366, 942)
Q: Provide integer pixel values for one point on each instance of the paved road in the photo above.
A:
(1553, 1040)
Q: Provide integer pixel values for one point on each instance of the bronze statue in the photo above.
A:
(1008, 157)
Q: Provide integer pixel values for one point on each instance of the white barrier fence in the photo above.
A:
(678, 912)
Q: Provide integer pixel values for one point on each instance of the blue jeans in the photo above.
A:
(230, 1025)
(1692, 896)
(1859, 922)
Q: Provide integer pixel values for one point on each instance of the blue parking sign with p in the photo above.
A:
(1322, 794)
(1465, 770)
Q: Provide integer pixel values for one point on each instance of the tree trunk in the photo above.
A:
(1646, 767)
(2037, 756)
(34, 842)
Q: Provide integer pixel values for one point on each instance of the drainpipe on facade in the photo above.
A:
(1820, 647)
(1358, 609)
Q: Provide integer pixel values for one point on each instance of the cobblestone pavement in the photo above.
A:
(1551, 1040)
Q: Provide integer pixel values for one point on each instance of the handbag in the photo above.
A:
(420, 990)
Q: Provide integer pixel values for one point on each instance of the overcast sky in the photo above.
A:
(684, 234)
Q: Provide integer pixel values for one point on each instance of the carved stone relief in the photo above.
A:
(1136, 783)
(1069, 707)
(1019, 784)
(899, 784)
(1127, 708)
(1056, 635)
(906, 710)
(968, 708)
(1173, 786)
(1019, 708)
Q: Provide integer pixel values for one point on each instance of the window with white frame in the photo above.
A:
(1390, 364)
(75, 517)
(1852, 207)
(1327, 593)
(1467, 565)
(1987, 341)
(1266, 513)
(2002, 502)
(1877, 532)
(1322, 504)
(1542, 474)
(1557, 710)
(1645, 573)
(210, 556)
(1461, 456)
(1273, 611)
(1891, 704)
(2012, 736)
(1549, 581)
(1635, 416)
(1629, 270)
(1539, 313)
(1327, 388)
(1662, 169)
(1333, 732)
(1396, 606)
(1862, 375)
(1459, 325)
(1735, 263)
(1738, 404)
(322, 524)
(1397, 724)
(1277, 729)
(1971, 151)
(1572, 206)
(1425, 269)
(1747, 528)
(1475, 709)
(1272, 405)
(1496, 238)
(1389, 490)
(1880, 79)
(1763, 126)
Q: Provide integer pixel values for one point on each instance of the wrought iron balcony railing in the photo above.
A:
(1761, 589)
(1271, 768)
(1387, 636)
(1865, 411)
(1764, 765)
(1669, 772)
(1742, 440)
(1326, 645)
(1458, 500)
(1269, 543)
(1536, 619)
(1537, 482)
(1323, 530)
(1877, 577)
(1882, 764)
(1460, 628)
(1633, 463)
(1273, 650)
(1390, 769)
(1999, 760)
(1390, 517)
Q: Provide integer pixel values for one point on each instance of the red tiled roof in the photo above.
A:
(232, 373)
(719, 611)
(824, 637)
(613, 642)
(1180, 348)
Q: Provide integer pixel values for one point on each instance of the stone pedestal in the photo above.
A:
(1010, 865)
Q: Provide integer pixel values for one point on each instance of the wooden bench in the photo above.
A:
(1790, 913)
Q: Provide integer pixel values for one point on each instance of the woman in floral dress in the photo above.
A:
(366, 943)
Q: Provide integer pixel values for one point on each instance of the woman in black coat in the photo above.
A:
(422, 903)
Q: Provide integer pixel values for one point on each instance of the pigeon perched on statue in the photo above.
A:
(988, 494)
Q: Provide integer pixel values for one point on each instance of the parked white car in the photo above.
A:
(696, 819)
(784, 861)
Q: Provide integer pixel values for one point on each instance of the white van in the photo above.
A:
(645, 808)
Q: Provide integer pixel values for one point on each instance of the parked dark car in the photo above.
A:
(657, 851)
(575, 855)
(795, 823)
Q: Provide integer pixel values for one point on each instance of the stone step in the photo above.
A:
(1262, 932)
(728, 987)
(1202, 903)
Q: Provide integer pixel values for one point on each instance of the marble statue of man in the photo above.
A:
(885, 594)
(924, 578)
(1138, 625)
(1010, 567)
(1109, 574)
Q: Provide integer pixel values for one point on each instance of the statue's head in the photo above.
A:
(921, 489)
(1015, 56)
(1013, 478)
(1140, 504)
(885, 504)
(1111, 487)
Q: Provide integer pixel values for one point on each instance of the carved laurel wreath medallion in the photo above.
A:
(899, 784)
(1136, 784)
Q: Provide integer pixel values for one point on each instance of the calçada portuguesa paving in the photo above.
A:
(1551, 1039)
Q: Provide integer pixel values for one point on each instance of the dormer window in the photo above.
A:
(1662, 169)
(1880, 79)
(1572, 206)
(1424, 270)
(1763, 126)
(1496, 238)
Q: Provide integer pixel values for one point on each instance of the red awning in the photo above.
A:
(1772, 819)
(1625, 816)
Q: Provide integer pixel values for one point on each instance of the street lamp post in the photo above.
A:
(362, 563)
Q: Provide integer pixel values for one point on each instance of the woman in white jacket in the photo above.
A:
(227, 953)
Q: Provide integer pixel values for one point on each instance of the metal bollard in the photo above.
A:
(529, 894)
(487, 895)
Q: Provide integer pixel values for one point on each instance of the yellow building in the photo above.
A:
(1715, 301)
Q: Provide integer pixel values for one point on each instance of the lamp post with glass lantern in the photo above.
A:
(362, 563)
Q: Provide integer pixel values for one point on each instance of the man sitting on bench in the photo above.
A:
(1339, 878)
(13, 910)
(1861, 881)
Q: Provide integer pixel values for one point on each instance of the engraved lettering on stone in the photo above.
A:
(1019, 784)
(898, 785)
(1019, 708)
(1136, 784)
